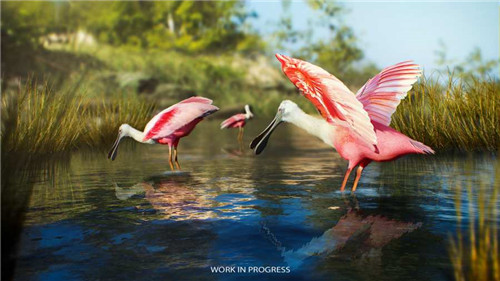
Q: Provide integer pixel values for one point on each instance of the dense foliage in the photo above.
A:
(183, 25)
(192, 27)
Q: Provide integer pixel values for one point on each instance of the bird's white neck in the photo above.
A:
(248, 113)
(136, 135)
(315, 126)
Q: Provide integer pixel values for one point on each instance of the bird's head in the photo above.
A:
(284, 114)
(122, 132)
(287, 109)
(248, 111)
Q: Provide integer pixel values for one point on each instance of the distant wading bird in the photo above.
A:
(357, 126)
(168, 126)
(238, 121)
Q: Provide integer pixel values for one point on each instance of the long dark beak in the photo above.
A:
(259, 143)
(114, 149)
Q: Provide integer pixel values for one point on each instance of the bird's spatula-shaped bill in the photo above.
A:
(259, 143)
(114, 149)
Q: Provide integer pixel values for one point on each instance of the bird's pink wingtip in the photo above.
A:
(282, 58)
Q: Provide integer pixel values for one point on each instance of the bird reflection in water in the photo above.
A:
(171, 196)
(234, 152)
(354, 237)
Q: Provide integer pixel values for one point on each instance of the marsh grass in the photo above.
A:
(38, 119)
(35, 119)
(475, 254)
(106, 116)
(461, 114)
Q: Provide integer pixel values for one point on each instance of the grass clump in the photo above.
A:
(106, 116)
(462, 114)
(37, 119)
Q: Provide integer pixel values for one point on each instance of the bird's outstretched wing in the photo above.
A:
(335, 102)
(382, 94)
(178, 115)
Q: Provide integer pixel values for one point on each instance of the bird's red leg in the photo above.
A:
(358, 175)
(175, 156)
(240, 138)
(170, 158)
(242, 132)
(346, 177)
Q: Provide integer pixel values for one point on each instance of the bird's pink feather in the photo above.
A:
(197, 99)
(382, 94)
(335, 102)
(177, 116)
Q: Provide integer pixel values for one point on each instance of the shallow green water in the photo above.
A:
(92, 219)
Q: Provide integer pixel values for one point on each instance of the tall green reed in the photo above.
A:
(37, 119)
(105, 116)
(461, 114)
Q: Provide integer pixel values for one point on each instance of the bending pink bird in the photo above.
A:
(238, 121)
(357, 126)
(168, 126)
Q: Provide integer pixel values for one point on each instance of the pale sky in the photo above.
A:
(394, 31)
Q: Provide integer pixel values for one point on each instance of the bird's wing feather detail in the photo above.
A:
(233, 119)
(175, 117)
(382, 94)
(335, 102)
(197, 99)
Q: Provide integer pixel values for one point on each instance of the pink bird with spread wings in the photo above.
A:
(357, 126)
(168, 126)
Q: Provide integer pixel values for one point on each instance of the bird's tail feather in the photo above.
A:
(424, 149)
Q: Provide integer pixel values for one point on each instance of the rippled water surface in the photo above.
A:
(132, 219)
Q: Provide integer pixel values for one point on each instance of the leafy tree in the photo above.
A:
(191, 26)
(338, 53)
(23, 24)
(184, 25)
(285, 34)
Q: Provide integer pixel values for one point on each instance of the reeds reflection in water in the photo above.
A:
(475, 251)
